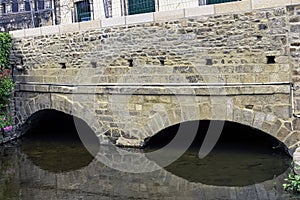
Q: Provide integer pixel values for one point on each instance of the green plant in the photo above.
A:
(6, 83)
(5, 46)
(292, 182)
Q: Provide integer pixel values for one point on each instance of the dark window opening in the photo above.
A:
(271, 59)
(107, 8)
(3, 8)
(27, 6)
(140, 6)
(41, 5)
(14, 6)
(219, 1)
(83, 11)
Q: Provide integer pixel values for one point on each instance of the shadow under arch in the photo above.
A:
(242, 156)
(51, 141)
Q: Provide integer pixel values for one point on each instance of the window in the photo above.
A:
(219, 1)
(27, 5)
(15, 6)
(83, 11)
(107, 8)
(140, 6)
(3, 8)
(41, 4)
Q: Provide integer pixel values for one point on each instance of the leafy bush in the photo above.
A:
(6, 83)
(292, 183)
(5, 46)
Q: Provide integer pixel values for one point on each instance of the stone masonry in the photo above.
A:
(128, 82)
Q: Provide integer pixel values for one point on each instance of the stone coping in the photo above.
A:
(162, 89)
(231, 7)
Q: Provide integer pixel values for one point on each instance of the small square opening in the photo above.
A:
(130, 62)
(271, 59)
(63, 65)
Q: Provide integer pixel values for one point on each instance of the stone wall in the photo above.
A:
(240, 61)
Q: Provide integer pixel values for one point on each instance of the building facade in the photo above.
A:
(22, 14)
(19, 14)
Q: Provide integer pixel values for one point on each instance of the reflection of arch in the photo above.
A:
(51, 134)
(267, 123)
(240, 151)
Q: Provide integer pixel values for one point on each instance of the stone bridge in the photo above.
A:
(130, 77)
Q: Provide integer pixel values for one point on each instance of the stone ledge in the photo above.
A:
(95, 24)
(157, 90)
(140, 18)
(48, 30)
(295, 1)
(169, 15)
(67, 28)
(33, 32)
(199, 11)
(260, 4)
(18, 33)
(232, 7)
(116, 21)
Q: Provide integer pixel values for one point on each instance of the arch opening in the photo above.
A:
(51, 141)
(242, 155)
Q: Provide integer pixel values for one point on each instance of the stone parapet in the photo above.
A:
(224, 8)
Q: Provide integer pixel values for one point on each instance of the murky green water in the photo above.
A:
(50, 166)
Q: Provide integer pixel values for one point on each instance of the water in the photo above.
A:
(53, 166)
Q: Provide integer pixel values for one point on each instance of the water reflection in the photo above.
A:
(55, 165)
(54, 145)
(20, 178)
(243, 156)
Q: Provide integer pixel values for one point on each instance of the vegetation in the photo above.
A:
(6, 83)
(292, 182)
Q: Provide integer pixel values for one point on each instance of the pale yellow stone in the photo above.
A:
(95, 24)
(233, 7)
(67, 28)
(33, 32)
(199, 11)
(168, 15)
(295, 1)
(259, 4)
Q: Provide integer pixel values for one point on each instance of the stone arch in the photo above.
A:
(60, 103)
(267, 123)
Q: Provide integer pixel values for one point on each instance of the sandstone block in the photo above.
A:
(199, 11)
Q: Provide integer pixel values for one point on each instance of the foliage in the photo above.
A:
(5, 46)
(292, 183)
(6, 83)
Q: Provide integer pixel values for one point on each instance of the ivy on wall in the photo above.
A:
(6, 83)
(5, 46)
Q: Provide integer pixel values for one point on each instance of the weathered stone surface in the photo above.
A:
(223, 54)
